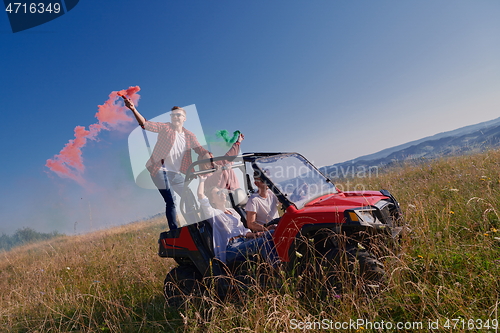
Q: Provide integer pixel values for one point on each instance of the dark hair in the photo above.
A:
(258, 173)
(178, 108)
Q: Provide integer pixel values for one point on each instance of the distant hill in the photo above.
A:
(465, 140)
(24, 236)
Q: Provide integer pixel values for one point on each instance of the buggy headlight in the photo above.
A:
(364, 216)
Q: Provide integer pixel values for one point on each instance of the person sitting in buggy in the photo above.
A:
(262, 206)
(233, 242)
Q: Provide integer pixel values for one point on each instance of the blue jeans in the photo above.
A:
(241, 248)
(165, 181)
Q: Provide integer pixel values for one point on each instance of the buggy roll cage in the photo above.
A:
(251, 158)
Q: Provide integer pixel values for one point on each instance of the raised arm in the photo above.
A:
(129, 104)
(204, 203)
(235, 148)
(201, 187)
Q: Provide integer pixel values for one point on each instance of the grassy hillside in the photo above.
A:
(107, 281)
(111, 281)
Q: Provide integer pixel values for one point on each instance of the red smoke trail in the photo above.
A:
(69, 162)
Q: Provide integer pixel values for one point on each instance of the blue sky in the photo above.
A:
(333, 80)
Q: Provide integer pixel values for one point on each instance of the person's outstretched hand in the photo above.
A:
(128, 103)
(240, 137)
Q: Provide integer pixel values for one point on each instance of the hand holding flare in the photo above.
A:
(130, 105)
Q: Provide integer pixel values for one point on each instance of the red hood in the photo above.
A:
(345, 200)
(326, 209)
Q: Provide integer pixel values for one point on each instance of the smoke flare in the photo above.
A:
(224, 134)
(69, 162)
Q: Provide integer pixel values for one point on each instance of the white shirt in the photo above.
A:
(266, 208)
(174, 158)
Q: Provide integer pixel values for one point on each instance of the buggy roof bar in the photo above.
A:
(191, 173)
(247, 157)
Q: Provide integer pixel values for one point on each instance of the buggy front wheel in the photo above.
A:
(355, 264)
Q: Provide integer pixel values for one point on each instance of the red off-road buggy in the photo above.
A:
(321, 228)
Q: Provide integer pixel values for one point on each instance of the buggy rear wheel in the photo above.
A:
(181, 282)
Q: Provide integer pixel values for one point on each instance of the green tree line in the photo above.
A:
(24, 236)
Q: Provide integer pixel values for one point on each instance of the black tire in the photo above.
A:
(356, 264)
(314, 273)
(180, 282)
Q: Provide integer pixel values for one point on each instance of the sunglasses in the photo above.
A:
(219, 192)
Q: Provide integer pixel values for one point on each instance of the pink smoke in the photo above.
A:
(69, 162)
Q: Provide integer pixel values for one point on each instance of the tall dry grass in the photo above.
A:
(106, 281)
(448, 268)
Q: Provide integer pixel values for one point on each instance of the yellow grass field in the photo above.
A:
(447, 273)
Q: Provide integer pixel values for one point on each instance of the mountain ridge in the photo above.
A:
(464, 140)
